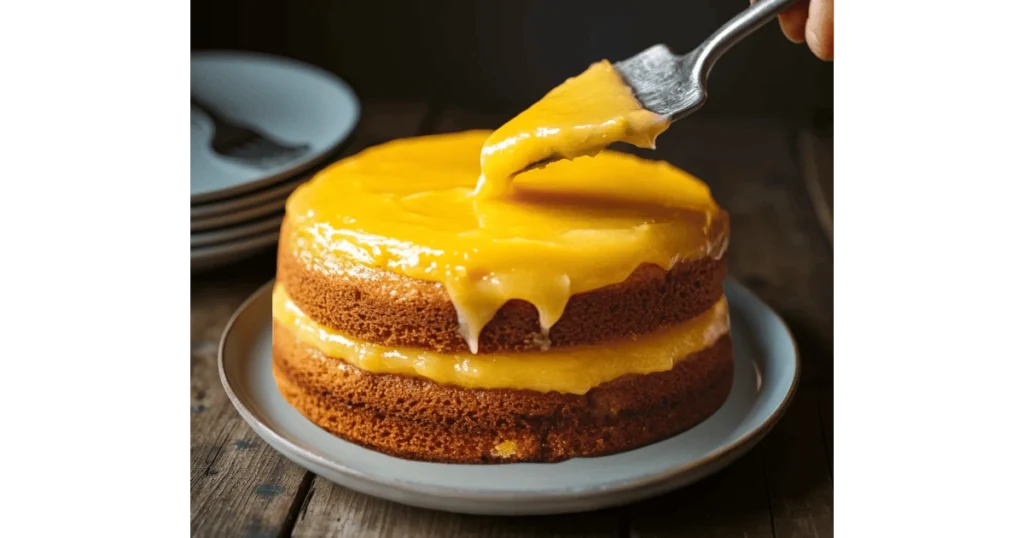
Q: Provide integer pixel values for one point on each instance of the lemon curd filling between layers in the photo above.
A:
(572, 370)
(580, 117)
(573, 226)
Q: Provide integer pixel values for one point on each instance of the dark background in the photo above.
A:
(503, 55)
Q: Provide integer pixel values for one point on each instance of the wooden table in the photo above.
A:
(775, 180)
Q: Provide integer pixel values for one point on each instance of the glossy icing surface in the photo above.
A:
(573, 226)
(580, 117)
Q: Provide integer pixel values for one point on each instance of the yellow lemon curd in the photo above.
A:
(580, 117)
(572, 370)
(571, 227)
(458, 209)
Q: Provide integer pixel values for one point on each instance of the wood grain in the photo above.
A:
(733, 502)
(797, 470)
(775, 249)
(816, 160)
(778, 249)
(332, 510)
(825, 408)
(239, 485)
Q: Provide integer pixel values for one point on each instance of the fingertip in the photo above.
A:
(793, 34)
(820, 33)
(793, 20)
(822, 48)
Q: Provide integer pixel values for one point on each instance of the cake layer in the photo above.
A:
(573, 370)
(580, 117)
(415, 418)
(390, 309)
(405, 207)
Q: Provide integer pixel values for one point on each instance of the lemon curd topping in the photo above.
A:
(408, 207)
(572, 370)
(580, 117)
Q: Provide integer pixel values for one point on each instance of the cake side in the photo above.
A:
(580, 315)
(415, 418)
(407, 207)
(387, 308)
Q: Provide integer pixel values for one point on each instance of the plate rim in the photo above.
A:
(244, 244)
(298, 169)
(243, 230)
(242, 216)
(253, 199)
(725, 452)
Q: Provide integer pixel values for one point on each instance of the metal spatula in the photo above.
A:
(676, 86)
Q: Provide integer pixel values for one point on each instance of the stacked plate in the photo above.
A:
(261, 126)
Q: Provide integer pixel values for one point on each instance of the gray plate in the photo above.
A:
(766, 376)
(234, 218)
(235, 233)
(205, 258)
(246, 201)
(288, 100)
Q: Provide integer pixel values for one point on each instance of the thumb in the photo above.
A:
(793, 21)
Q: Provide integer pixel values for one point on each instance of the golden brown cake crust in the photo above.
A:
(394, 310)
(415, 418)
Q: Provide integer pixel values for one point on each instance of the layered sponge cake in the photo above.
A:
(581, 314)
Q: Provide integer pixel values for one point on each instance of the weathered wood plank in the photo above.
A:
(777, 249)
(239, 485)
(776, 245)
(332, 510)
(826, 410)
(797, 470)
(752, 172)
(816, 162)
(731, 503)
(836, 492)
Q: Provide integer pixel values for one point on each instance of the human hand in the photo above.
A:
(810, 21)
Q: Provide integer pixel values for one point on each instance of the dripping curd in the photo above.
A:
(408, 207)
(573, 370)
(584, 115)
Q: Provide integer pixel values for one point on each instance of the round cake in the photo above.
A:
(583, 314)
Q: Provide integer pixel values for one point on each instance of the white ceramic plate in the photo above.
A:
(234, 233)
(765, 380)
(234, 218)
(246, 201)
(205, 258)
(288, 100)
